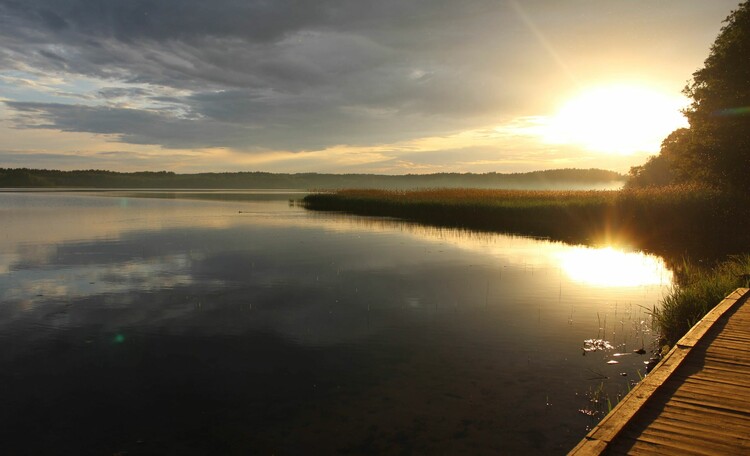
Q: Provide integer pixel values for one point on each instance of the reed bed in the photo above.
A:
(368, 199)
(668, 219)
(472, 196)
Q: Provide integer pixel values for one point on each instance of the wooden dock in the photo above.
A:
(696, 401)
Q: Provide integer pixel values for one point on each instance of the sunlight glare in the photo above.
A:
(609, 267)
(617, 119)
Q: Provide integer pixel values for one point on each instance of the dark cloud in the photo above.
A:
(131, 125)
(192, 42)
(230, 120)
(284, 74)
(251, 21)
(124, 92)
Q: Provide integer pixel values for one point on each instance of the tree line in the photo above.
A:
(559, 178)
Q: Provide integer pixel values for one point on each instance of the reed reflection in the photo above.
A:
(599, 266)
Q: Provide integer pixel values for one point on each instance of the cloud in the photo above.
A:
(236, 119)
(291, 75)
(249, 44)
(123, 92)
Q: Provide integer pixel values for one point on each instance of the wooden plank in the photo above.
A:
(710, 375)
(730, 339)
(737, 331)
(696, 431)
(727, 404)
(634, 447)
(702, 390)
(733, 347)
(728, 424)
(704, 379)
(661, 444)
(733, 344)
(727, 351)
(727, 365)
(713, 399)
(693, 410)
(671, 432)
(722, 372)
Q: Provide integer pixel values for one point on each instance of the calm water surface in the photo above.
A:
(190, 326)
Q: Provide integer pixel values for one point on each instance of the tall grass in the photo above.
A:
(668, 220)
(698, 290)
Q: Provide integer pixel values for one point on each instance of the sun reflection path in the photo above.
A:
(608, 267)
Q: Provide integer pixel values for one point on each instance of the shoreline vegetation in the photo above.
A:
(698, 290)
(690, 221)
(688, 225)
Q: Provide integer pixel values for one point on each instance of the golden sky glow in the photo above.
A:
(617, 118)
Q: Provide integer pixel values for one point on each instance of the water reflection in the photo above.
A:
(325, 332)
(607, 267)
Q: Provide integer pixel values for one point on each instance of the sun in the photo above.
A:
(617, 119)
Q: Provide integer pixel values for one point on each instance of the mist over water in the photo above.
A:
(149, 325)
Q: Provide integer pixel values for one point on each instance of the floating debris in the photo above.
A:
(591, 345)
(612, 361)
(623, 374)
(640, 351)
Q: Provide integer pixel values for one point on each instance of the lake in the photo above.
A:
(239, 323)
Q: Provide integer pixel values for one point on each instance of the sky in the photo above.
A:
(346, 86)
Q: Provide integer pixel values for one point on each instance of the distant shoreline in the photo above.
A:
(557, 179)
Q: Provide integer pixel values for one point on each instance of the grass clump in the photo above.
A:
(698, 290)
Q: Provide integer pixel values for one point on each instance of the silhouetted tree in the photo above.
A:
(716, 148)
(720, 112)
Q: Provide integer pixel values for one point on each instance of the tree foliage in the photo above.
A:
(716, 147)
